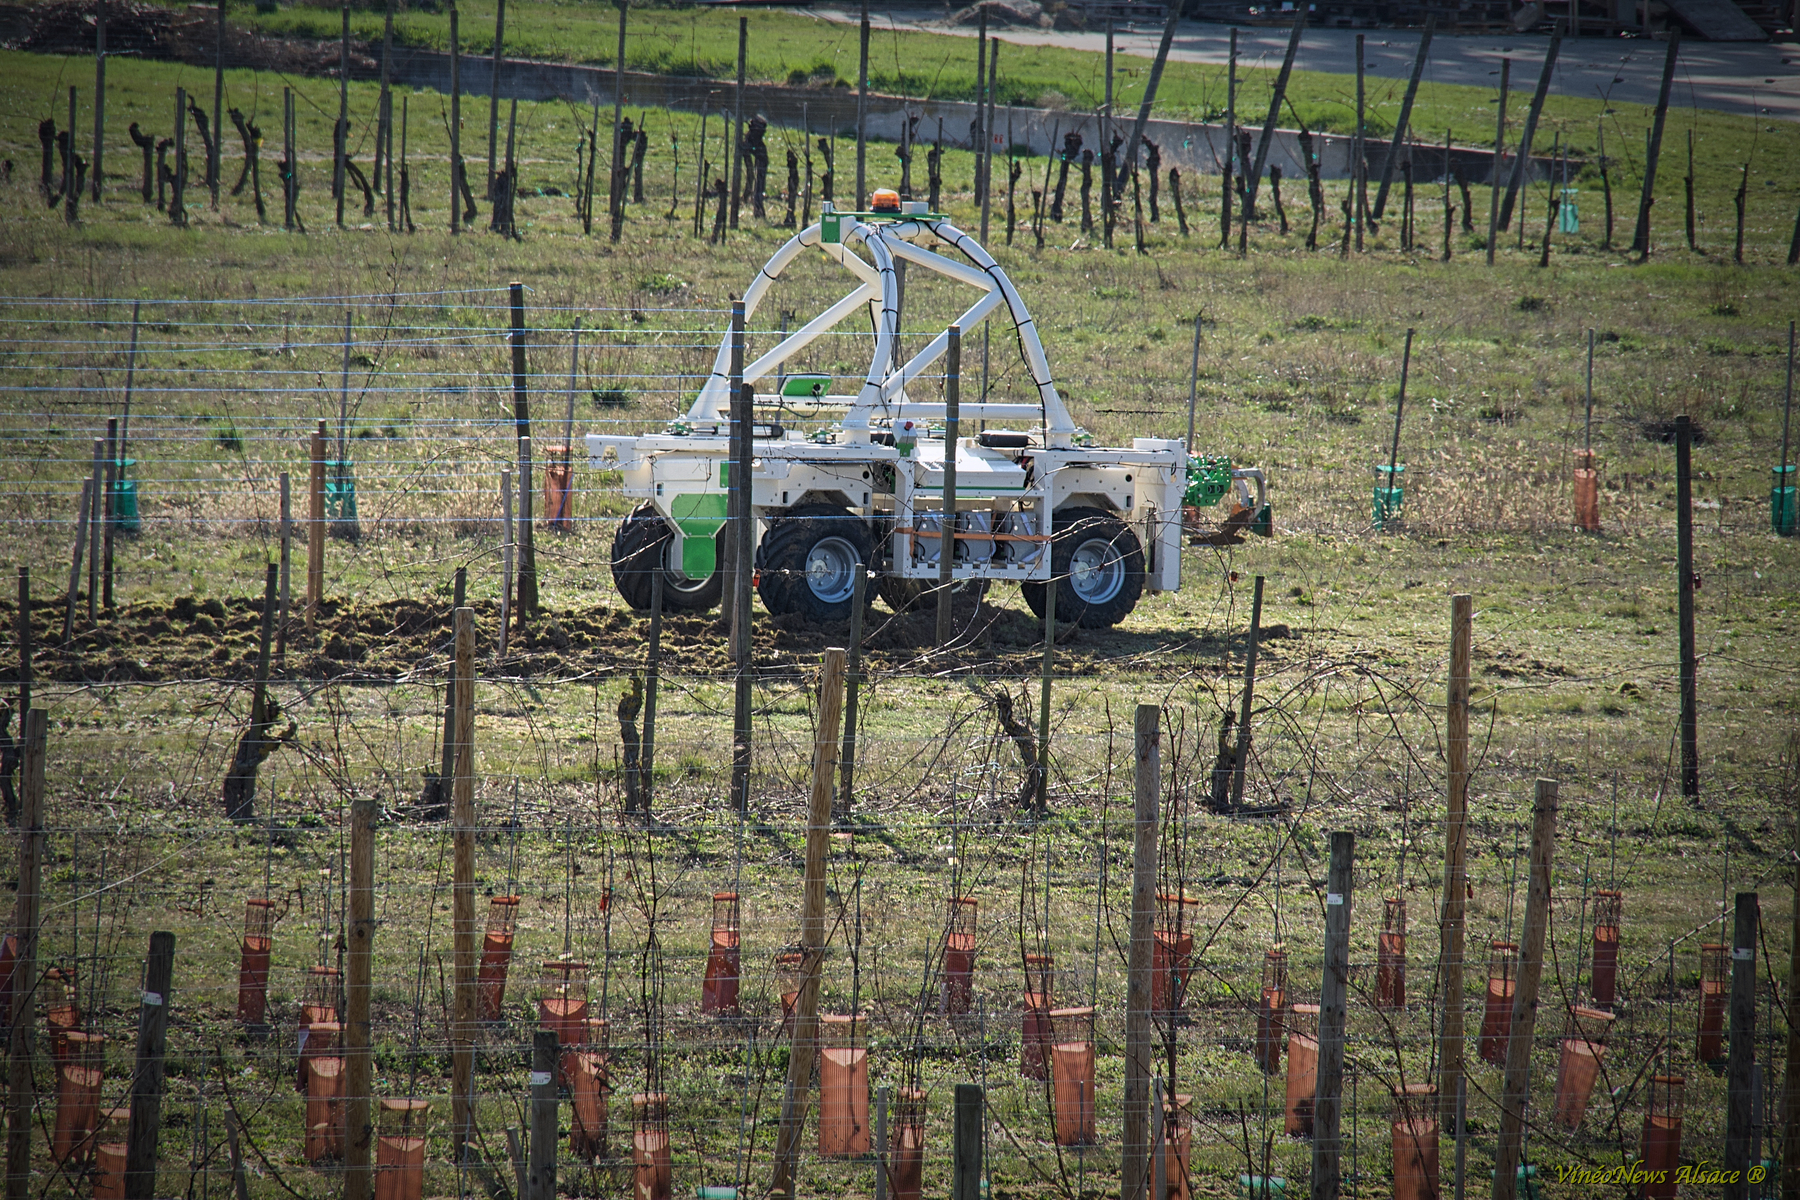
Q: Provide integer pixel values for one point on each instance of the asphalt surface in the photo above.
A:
(1738, 77)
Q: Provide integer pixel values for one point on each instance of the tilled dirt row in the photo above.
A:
(216, 639)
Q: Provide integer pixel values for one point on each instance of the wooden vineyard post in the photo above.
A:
(1515, 1091)
(652, 682)
(966, 1164)
(1328, 1098)
(96, 507)
(286, 534)
(315, 528)
(541, 1154)
(147, 1081)
(23, 1045)
(87, 489)
(1405, 119)
(358, 1066)
(1739, 1116)
(1147, 788)
(739, 530)
(447, 768)
(1684, 569)
(462, 892)
(1456, 824)
(952, 418)
(852, 687)
(1241, 761)
(1790, 1079)
(1253, 176)
(1640, 241)
(862, 117)
(812, 924)
(108, 492)
(527, 586)
(1493, 233)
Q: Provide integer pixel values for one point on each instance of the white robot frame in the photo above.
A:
(871, 490)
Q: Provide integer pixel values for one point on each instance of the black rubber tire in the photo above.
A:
(781, 562)
(913, 595)
(1078, 529)
(641, 546)
(901, 595)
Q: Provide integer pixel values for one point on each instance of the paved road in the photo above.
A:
(1738, 77)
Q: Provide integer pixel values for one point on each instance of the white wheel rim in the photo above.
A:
(1096, 571)
(831, 569)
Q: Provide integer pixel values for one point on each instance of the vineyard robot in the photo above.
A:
(1034, 501)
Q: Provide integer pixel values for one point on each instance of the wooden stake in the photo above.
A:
(456, 201)
(1522, 160)
(541, 1155)
(447, 770)
(359, 1129)
(740, 598)
(1684, 559)
(111, 463)
(528, 582)
(1456, 833)
(1147, 794)
(1790, 1079)
(1740, 1119)
(99, 155)
(1143, 116)
(22, 619)
(1046, 672)
(1242, 760)
(1263, 143)
(1194, 378)
(215, 166)
(506, 557)
(952, 431)
(287, 538)
(1359, 152)
(384, 141)
(965, 1169)
(652, 677)
(1515, 1091)
(859, 598)
(1328, 1097)
(812, 924)
(1405, 119)
(96, 495)
(862, 114)
(615, 189)
(462, 893)
(1494, 169)
(147, 1079)
(525, 549)
(315, 529)
(737, 146)
(986, 157)
(1230, 142)
(23, 1043)
(340, 150)
(494, 60)
(87, 487)
(1640, 241)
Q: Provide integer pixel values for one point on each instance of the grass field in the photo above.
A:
(1575, 638)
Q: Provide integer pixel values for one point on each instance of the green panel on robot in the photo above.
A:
(805, 387)
(699, 516)
(1209, 478)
